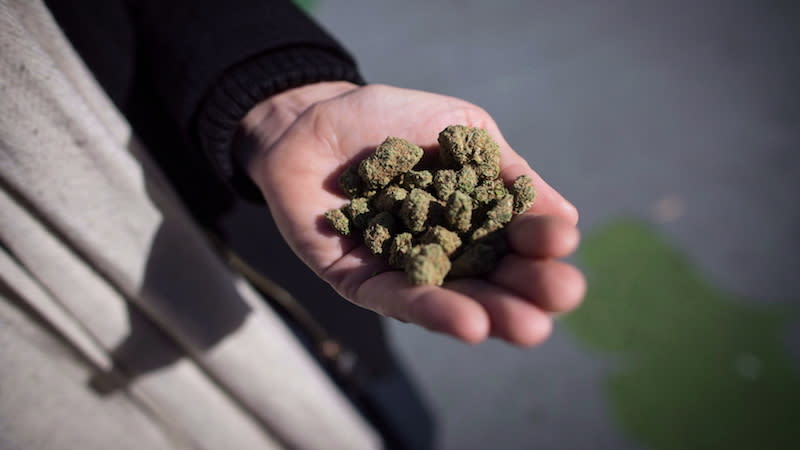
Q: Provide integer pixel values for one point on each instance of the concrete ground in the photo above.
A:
(685, 114)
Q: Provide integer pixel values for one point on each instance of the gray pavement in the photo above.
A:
(683, 112)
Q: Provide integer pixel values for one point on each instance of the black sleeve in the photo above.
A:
(213, 60)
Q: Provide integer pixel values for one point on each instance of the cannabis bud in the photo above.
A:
(433, 222)
(392, 158)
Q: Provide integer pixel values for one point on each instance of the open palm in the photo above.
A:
(297, 175)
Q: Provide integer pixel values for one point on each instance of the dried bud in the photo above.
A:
(414, 179)
(379, 231)
(455, 150)
(502, 211)
(462, 145)
(489, 191)
(442, 236)
(399, 249)
(485, 155)
(427, 264)
(480, 257)
(392, 158)
(351, 183)
(524, 193)
(467, 179)
(390, 198)
(358, 211)
(414, 211)
(338, 221)
(444, 183)
(459, 211)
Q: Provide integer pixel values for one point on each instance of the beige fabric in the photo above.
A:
(99, 261)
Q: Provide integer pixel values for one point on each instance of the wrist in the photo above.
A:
(266, 122)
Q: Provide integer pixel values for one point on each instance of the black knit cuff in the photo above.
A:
(244, 86)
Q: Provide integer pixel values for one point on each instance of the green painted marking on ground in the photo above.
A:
(699, 369)
(306, 5)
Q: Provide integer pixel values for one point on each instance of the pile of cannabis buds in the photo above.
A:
(433, 223)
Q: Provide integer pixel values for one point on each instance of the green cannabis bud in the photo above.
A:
(445, 183)
(338, 221)
(416, 179)
(358, 211)
(524, 194)
(414, 211)
(489, 191)
(455, 149)
(467, 179)
(449, 240)
(461, 145)
(486, 156)
(434, 223)
(480, 257)
(502, 211)
(390, 198)
(379, 232)
(399, 250)
(459, 211)
(427, 264)
(393, 157)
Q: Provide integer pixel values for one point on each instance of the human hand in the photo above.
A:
(305, 137)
